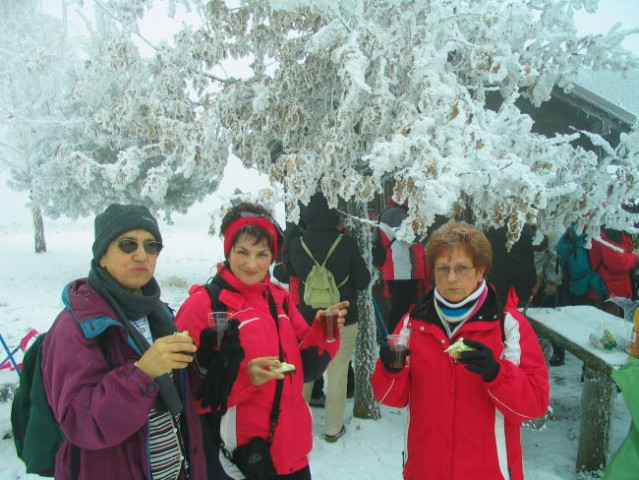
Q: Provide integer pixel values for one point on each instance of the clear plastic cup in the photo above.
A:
(220, 322)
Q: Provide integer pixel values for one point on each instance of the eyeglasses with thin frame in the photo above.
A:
(130, 245)
(460, 270)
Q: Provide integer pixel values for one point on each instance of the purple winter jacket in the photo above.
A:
(105, 411)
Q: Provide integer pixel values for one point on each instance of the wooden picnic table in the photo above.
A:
(570, 327)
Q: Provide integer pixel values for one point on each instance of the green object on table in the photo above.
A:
(625, 462)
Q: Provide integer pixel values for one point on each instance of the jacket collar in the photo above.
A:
(90, 310)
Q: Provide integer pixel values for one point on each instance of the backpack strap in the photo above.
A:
(305, 247)
(213, 288)
(330, 250)
(103, 343)
(333, 247)
(275, 410)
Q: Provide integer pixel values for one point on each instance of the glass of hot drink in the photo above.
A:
(398, 343)
(328, 321)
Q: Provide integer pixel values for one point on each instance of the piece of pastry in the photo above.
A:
(284, 369)
(456, 348)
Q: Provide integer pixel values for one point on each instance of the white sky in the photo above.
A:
(610, 12)
(157, 26)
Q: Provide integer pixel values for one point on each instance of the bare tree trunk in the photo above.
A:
(365, 405)
(38, 229)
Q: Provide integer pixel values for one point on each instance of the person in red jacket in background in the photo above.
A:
(614, 257)
(466, 411)
(403, 267)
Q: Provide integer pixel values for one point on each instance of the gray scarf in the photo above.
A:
(130, 306)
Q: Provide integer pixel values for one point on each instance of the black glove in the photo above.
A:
(387, 356)
(480, 360)
(222, 370)
(206, 350)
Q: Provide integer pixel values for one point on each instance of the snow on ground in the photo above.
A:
(30, 287)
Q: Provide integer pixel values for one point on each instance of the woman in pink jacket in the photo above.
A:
(466, 411)
(267, 330)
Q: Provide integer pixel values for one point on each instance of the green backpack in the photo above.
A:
(36, 433)
(320, 289)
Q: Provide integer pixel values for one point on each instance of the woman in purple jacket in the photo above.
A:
(118, 380)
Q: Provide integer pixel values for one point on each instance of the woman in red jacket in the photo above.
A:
(267, 330)
(466, 411)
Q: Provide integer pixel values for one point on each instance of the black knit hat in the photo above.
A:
(116, 220)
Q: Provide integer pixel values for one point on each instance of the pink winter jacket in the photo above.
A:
(460, 426)
(249, 407)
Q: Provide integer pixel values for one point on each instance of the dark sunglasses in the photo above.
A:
(130, 245)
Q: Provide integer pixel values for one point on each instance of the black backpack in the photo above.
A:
(36, 433)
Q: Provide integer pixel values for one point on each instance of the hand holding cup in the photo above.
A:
(398, 344)
(332, 319)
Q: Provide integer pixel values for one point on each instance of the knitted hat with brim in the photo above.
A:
(118, 219)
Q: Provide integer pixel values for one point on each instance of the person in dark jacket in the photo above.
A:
(280, 270)
(282, 274)
(514, 268)
(351, 272)
(130, 411)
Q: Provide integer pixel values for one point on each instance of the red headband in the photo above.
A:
(236, 225)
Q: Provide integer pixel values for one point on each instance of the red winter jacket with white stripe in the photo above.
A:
(404, 261)
(460, 426)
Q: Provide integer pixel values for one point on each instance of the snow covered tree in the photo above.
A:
(90, 121)
(358, 91)
(32, 79)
